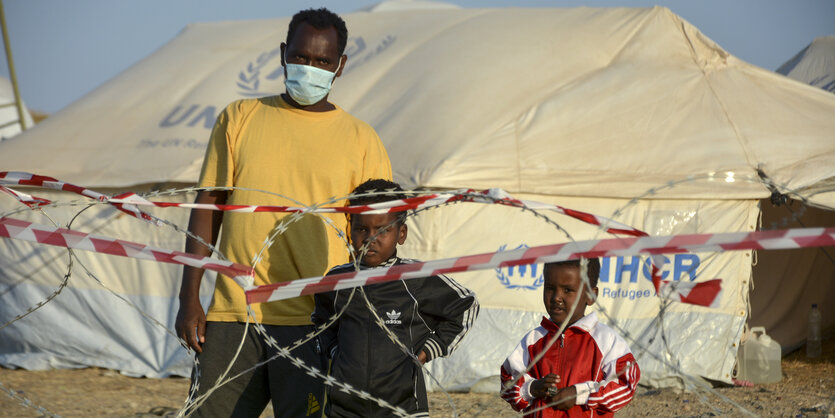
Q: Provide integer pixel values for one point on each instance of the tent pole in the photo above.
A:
(18, 103)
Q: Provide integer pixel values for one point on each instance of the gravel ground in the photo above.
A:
(807, 389)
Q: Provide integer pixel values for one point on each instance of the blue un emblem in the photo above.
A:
(528, 277)
(264, 75)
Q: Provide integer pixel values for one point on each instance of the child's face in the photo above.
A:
(382, 246)
(563, 286)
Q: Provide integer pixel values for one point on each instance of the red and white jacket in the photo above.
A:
(589, 355)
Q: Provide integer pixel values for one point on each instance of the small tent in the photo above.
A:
(587, 108)
(814, 65)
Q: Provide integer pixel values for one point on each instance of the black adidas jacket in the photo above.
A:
(430, 314)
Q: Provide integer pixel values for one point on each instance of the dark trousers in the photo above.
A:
(292, 391)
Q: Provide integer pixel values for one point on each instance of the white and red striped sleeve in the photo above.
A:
(517, 392)
(617, 376)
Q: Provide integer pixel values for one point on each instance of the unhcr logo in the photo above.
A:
(679, 267)
(264, 76)
(528, 277)
(618, 275)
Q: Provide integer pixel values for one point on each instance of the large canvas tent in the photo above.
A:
(587, 108)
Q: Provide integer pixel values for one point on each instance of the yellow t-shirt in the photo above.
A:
(309, 157)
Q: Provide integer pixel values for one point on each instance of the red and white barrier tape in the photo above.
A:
(128, 202)
(700, 293)
(418, 202)
(61, 237)
(411, 203)
(16, 177)
(28, 200)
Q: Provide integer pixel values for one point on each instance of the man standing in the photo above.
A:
(299, 148)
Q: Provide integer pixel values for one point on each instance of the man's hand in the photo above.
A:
(422, 357)
(539, 388)
(565, 399)
(191, 324)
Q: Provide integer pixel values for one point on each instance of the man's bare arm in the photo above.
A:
(191, 319)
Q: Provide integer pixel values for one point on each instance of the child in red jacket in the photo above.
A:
(588, 370)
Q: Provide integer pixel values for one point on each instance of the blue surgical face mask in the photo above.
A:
(307, 84)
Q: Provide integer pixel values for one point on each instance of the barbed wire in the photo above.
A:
(193, 401)
(26, 402)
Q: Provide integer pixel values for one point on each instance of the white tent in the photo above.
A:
(814, 65)
(9, 118)
(583, 107)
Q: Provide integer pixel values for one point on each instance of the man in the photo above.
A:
(305, 149)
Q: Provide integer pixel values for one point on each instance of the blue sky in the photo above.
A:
(65, 49)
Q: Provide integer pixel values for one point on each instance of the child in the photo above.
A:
(429, 316)
(588, 370)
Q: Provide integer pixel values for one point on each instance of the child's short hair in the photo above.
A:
(593, 268)
(387, 190)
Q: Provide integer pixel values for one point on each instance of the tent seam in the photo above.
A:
(518, 156)
(737, 134)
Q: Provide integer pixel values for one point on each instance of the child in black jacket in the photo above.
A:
(428, 316)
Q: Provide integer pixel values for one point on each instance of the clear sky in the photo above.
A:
(65, 49)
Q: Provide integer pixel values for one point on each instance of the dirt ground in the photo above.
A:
(807, 389)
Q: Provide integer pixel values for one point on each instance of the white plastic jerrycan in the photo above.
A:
(759, 358)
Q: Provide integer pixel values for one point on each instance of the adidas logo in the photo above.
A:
(393, 318)
(312, 404)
